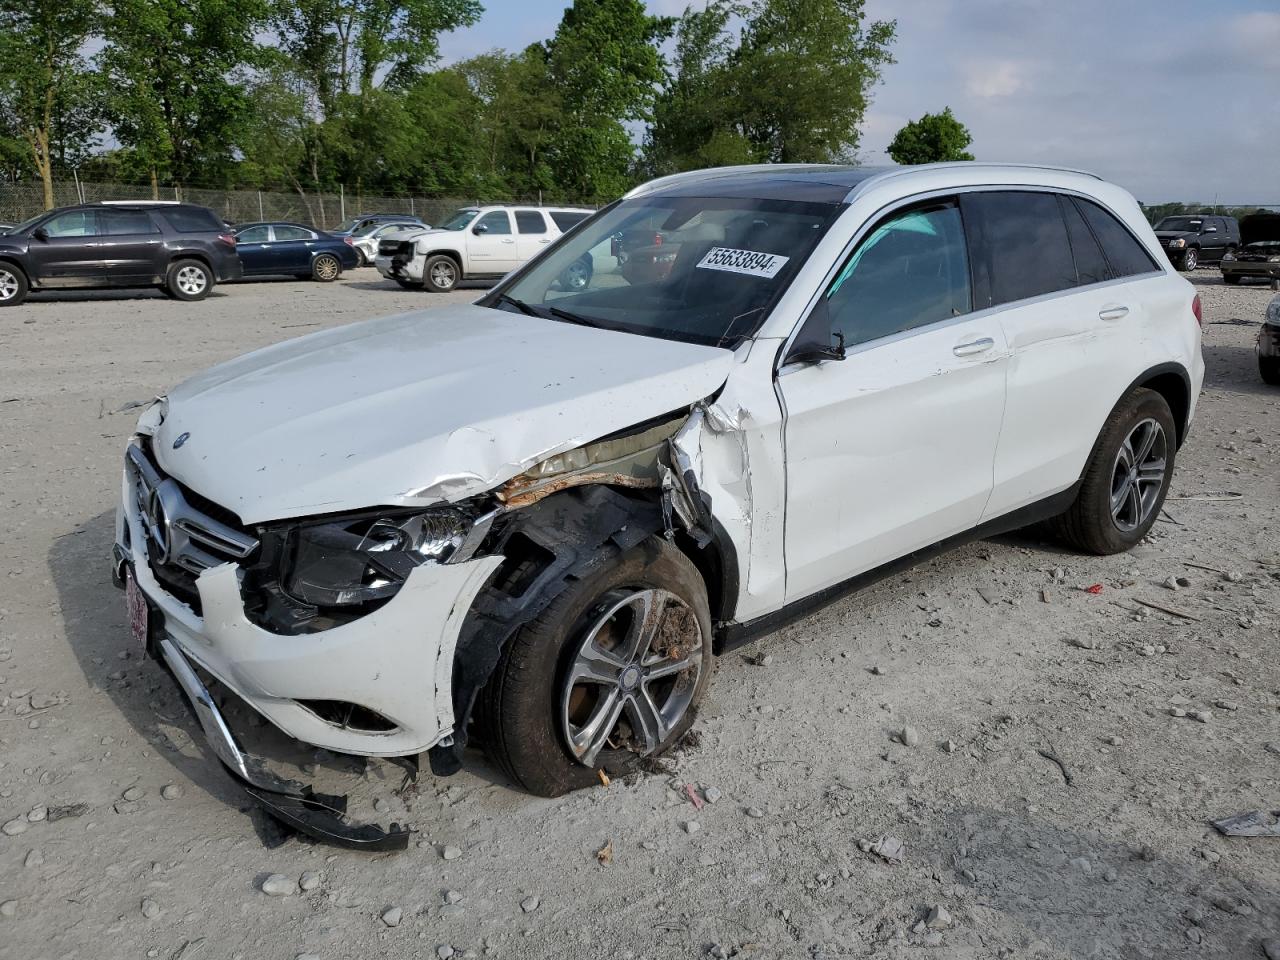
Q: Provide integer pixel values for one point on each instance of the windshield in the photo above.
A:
(26, 223)
(703, 270)
(1180, 224)
(459, 220)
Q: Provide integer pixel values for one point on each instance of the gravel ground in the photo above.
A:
(121, 839)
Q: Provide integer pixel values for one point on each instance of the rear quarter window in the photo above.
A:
(192, 220)
(566, 220)
(1127, 256)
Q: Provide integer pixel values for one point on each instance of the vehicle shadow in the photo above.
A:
(1234, 368)
(37, 298)
(384, 284)
(93, 615)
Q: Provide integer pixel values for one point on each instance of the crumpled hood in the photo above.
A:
(434, 405)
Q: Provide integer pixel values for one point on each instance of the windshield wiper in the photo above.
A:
(568, 317)
(520, 305)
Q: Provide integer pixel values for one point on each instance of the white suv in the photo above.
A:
(478, 243)
(548, 510)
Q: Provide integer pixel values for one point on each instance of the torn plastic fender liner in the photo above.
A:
(318, 815)
(680, 481)
(573, 532)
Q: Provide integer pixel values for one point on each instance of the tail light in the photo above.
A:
(228, 238)
(1195, 309)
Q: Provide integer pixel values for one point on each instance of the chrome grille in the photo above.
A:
(178, 534)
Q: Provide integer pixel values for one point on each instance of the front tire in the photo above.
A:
(326, 268)
(1269, 370)
(441, 274)
(188, 280)
(1126, 479)
(1190, 259)
(13, 285)
(609, 673)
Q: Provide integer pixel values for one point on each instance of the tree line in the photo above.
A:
(308, 94)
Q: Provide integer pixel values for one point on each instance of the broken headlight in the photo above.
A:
(348, 562)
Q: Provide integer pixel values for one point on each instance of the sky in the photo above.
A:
(1173, 99)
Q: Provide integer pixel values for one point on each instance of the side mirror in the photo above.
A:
(479, 228)
(40, 233)
(816, 342)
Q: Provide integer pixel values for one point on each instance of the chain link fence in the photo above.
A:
(321, 210)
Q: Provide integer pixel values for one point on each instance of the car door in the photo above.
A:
(131, 247)
(1068, 322)
(491, 245)
(253, 244)
(1213, 239)
(291, 248)
(533, 234)
(891, 449)
(64, 250)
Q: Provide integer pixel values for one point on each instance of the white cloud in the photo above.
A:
(986, 79)
(1256, 37)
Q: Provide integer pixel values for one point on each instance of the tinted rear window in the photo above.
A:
(565, 219)
(1126, 255)
(192, 220)
(530, 221)
(1091, 265)
(115, 223)
(1023, 244)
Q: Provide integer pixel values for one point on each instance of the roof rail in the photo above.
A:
(712, 173)
(139, 203)
(893, 172)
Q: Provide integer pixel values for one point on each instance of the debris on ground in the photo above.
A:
(1255, 823)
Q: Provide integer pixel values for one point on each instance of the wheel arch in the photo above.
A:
(197, 255)
(1173, 382)
(453, 255)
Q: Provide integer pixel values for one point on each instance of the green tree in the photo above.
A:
(44, 79)
(176, 74)
(791, 85)
(934, 138)
(604, 63)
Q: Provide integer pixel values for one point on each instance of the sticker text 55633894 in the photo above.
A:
(749, 262)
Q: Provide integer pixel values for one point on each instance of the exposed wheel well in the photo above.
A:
(1173, 386)
(16, 266)
(200, 257)
(452, 255)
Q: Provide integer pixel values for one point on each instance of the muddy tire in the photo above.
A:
(610, 673)
(1126, 479)
(13, 285)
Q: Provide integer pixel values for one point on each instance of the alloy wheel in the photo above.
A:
(1138, 475)
(326, 268)
(8, 285)
(191, 281)
(444, 275)
(633, 677)
(1191, 259)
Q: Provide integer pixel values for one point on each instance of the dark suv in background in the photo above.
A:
(1193, 239)
(179, 247)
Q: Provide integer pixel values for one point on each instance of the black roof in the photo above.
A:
(816, 184)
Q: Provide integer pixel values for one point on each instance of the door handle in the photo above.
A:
(508, 241)
(545, 240)
(973, 347)
(1113, 313)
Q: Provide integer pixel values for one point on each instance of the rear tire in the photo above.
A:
(441, 274)
(1109, 515)
(1269, 369)
(13, 285)
(188, 280)
(539, 698)
(1231, 279)
(326, 268)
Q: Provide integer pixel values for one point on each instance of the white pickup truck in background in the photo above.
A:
(478, 243)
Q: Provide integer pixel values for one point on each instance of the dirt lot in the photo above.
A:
(973, 651)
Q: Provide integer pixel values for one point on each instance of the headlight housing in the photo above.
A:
(1178, 243)
(1273, 259)
(349, 562)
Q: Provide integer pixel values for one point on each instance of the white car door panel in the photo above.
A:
(891, 449)
(494, 249)
(534, 232)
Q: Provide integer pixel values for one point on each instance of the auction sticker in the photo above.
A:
(748, 262)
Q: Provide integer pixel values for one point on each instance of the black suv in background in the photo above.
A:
(1193, 239)
(181, 248)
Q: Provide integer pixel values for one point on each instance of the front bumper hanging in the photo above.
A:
(318, 815)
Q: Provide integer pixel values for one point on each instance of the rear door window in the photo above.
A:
(121, 223)
(1091, 265)
(1020, 246)
(1128, 257)
(566, 219)
(259, 234)
(530, 221)
(285, 231)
